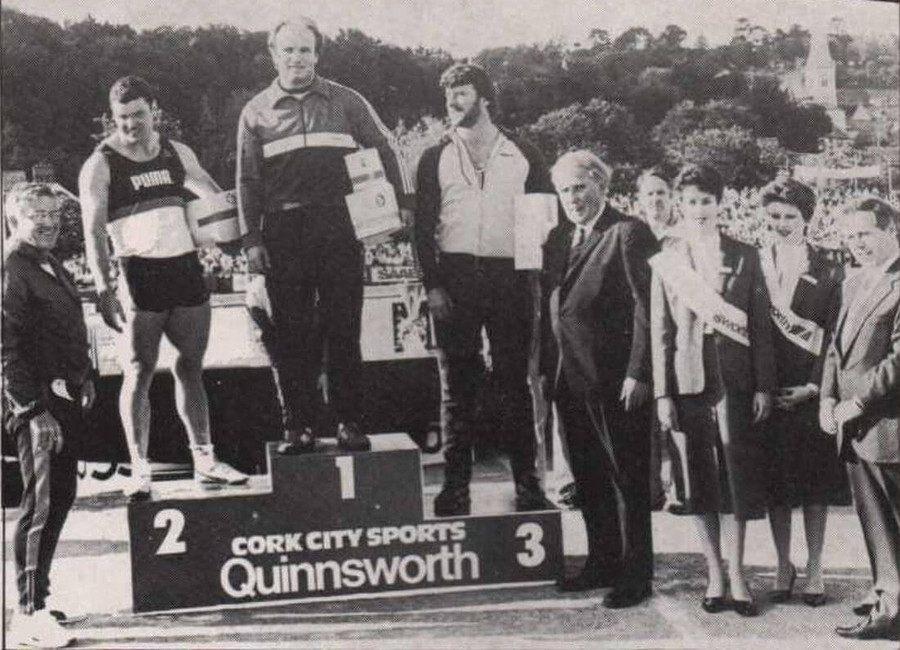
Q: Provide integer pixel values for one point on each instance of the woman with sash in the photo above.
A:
(713, 373)
(803, 466)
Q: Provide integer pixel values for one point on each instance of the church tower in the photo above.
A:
(820, 72)
(819, 78)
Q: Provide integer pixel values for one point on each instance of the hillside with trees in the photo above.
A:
(638, 98)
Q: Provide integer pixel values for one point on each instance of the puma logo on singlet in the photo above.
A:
(152, 179)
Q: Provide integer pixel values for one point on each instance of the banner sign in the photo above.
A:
(359, 530)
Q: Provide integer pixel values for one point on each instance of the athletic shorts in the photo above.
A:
(161, 284)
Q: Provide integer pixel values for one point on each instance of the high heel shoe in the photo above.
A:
(784, 595)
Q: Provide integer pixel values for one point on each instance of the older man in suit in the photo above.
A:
(861, 404)
(598, 283)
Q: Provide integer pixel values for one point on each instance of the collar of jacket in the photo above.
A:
(276, 93)
(29, 251)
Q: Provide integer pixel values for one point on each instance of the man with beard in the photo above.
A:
(464, 232)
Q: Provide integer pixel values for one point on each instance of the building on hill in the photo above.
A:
(814, 81)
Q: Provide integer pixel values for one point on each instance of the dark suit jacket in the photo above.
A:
(677, 332)
(817, 298)
(864, 363)
(598, 300)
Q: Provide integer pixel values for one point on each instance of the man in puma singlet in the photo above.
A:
(133, 193)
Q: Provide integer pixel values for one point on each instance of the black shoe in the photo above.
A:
(297, 442)
(452, 502)
(746, 608)
(569, 497)
(715, 604)
(627, 595)
(863, 609)
(815, 600)
(531, 500)
(869, 629)
(784, 595)
(351, 438)
(591, 576)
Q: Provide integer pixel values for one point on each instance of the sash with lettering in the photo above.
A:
(701, 298)
(803, 333)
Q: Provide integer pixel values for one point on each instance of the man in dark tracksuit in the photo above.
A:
(292, 180)
(48, 382)
(464, 234)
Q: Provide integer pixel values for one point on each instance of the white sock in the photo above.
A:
(139, 466)
(204, 456)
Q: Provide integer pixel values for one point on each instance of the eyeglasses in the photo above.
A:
(42, 215)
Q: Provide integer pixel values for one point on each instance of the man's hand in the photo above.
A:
(762, 407)
(667, 414)
(257, 259)
(110, 309)
(826, 416)
(846, 410)
(439, 303)
(88, 395)
(46, 434)
(634, 393)
(791, 397)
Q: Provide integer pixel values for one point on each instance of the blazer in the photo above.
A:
(597, 299)
(678, 336)
(863, 363)
(816, 298)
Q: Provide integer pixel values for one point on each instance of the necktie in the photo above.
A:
(579, 236)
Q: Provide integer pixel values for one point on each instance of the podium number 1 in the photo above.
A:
(173, 521)
(345, 469)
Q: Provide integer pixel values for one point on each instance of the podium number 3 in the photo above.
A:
(534, 552)
(348, 483)
(173, 521)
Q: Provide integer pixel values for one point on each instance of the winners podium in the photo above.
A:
(325, 525)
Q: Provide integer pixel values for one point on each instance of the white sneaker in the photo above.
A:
(138, 487)
(218, 473)
(38, 630)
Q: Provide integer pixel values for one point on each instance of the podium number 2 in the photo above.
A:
(345, 469)
(534, 552)
(173, 521)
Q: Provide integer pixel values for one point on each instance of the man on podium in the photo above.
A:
(465, 241)
(132, 192)
(292, 181)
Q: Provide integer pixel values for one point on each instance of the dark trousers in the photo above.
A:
(876, 493)
(49, 484)
(315, 287)
(487, 293)
(609, 454)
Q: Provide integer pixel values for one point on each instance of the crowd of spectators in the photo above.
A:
(740, 217)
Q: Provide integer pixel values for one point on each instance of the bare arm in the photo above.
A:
(196, 179)
(93, 190)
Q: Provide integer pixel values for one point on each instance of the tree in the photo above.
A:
(671, 38)
(599, 40)
(604, 127)
(634, 38)
(729, 150)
